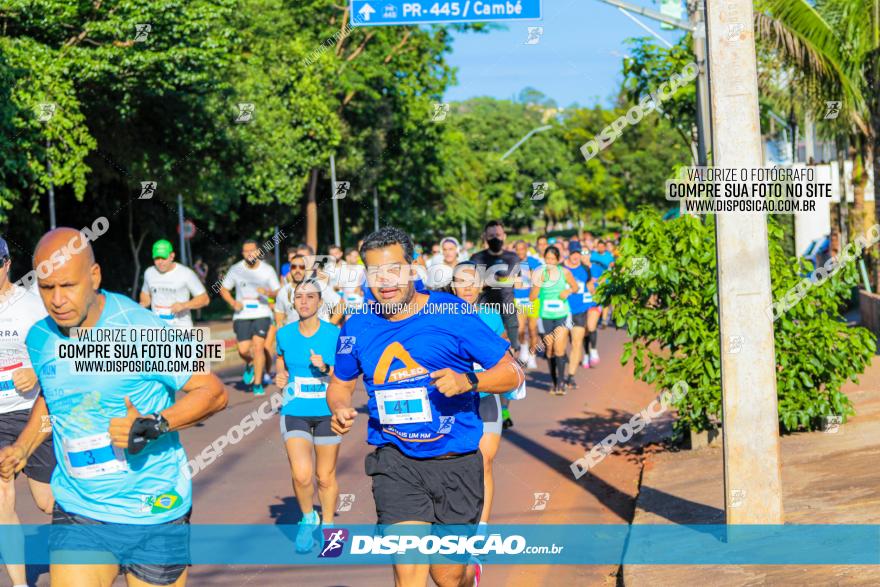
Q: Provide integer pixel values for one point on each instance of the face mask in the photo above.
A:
(495, 244)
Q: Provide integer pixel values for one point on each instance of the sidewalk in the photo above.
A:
(828, 478)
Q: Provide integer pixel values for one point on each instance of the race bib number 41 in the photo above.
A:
(403, 406)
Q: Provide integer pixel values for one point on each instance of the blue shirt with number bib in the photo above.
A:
(93, 478)
(306, 391)
(396, 359)
(581, 300)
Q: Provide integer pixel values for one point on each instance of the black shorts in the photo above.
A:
(315, 429)
(490, 413)
(39, 465)
(551, 324)
(579, 320)
(247, 329)
(436, 491)
(122, 544)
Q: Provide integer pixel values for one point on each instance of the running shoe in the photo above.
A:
(258, 390)
(305, 539)
(570, 382)
(585, 362)
(531, 363)
(478, 570)
(523, 354)
(594, 357)
(506, 423)
(248, 376)
(267, 379)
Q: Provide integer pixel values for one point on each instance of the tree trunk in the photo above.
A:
(859, 182)
(312, 212)
(135, 252)
(843, 207)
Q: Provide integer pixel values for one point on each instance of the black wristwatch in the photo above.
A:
(145, 429)
(472, 377)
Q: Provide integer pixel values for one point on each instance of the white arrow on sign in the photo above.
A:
(366, 11)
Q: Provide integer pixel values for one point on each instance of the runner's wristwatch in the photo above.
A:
(472, 378)
(145, 429)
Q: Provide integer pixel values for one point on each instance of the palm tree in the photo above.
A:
(835, 45)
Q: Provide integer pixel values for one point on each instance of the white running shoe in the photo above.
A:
(585, 362)
(531, 363)
(523, 354)
(594, 357)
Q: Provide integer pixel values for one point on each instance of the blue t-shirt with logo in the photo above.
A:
(93, 478)
(306, 391)
(581, 300)
(396, 359)
(526, 267)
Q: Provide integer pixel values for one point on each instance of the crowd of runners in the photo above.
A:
(440, 334)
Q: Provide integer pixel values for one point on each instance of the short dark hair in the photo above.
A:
(306, 247)
(492, 223)
(250, 241)
(385, 237)
(553, 249)
(541, 236)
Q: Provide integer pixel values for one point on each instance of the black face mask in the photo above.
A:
(495, 244)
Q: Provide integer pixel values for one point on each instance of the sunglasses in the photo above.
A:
(297, 266)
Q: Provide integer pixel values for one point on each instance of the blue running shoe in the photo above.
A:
(248, 376)
(258, 390)
(305, 539)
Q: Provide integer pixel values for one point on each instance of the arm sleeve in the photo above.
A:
(228, 279)
(194, 284)
(273, 280)
(346, 363)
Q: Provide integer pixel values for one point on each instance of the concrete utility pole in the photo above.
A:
(752, 476)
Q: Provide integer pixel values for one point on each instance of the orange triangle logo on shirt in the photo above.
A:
(383, 373)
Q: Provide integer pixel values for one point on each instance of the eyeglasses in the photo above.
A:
(297, 266)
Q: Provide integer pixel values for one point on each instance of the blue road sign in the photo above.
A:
(396, 12)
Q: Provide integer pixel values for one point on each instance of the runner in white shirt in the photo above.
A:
(170, 289)
(331, 309)
(350, 278)
(19, 310)
(254, 283)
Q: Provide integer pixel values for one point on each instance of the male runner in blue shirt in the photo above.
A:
(416, 353)
(95, 417)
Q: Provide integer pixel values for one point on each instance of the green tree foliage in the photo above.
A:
(670, 310)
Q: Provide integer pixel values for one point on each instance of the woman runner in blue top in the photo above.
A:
(467, 285)
(306, 355)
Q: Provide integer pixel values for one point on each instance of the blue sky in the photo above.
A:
(578, 59)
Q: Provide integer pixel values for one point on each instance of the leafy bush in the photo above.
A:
(669, 306)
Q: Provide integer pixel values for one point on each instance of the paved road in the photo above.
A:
(250, 483)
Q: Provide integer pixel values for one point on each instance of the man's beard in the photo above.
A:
(393, 308)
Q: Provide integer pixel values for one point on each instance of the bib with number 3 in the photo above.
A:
(93, 456)
(403, 406)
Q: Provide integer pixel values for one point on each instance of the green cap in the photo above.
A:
(162, 249)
